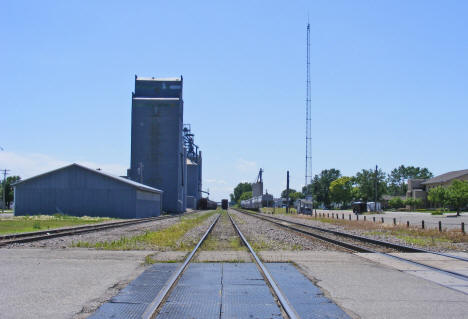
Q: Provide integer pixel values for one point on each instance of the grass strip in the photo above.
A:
(166, 238)
(410, 235)
(22, 224)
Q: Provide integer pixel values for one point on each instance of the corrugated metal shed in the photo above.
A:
(81, 191)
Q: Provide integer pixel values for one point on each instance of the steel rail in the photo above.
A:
(355, 247)
(366, 239)
(381, 242)
(279, 294)
(152, 309)
(60, 232)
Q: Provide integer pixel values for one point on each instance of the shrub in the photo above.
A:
(396, 202)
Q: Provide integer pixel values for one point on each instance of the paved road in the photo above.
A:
(371, 289)
(44, 283)
(414, 218)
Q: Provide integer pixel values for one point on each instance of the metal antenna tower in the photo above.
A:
(308, 156)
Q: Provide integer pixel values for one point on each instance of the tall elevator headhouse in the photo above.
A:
(158, 156)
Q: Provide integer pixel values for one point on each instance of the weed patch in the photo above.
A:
(21, 224)
(411, 235)
(166, 238)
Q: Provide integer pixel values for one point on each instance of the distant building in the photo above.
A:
(81, 191)
(158, 157)
(446, 179)
(304, 206)
(418, 187)
(257, 189)
(194, 168)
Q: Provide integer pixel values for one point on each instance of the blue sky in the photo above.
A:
(389, 83)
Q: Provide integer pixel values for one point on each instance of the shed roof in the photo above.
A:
(98, 172)
(446, 177)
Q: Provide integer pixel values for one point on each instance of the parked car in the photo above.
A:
(359, 207)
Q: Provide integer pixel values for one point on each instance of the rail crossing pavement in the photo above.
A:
(220, 290)
(51, 283)
(448, 270)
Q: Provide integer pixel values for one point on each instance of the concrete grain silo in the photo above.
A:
(158, 158)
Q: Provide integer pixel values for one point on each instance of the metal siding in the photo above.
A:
(192, 181)
(163, 89)
(79, 192)
(157, 144)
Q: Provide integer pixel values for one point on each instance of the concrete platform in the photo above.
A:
(435, 276)
(370, 289)
(44, 283)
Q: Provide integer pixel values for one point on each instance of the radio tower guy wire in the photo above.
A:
(308, 156)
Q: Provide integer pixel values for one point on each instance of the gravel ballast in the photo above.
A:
(100, 236)
(264, 235)
(368, 233)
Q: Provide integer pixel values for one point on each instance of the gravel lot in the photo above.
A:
(99, 236)
(266, 236)
(365, 232)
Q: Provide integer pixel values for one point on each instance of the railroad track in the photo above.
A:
(156, 305)
(60, 232)
(359, 243)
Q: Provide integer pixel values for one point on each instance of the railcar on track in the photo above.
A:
(224, 204)
(255, 203)
(205, 203)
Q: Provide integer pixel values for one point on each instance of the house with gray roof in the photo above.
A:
(418, 188)
(446, 179)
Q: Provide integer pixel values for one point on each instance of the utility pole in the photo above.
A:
(5, 172)
(375, 191)
(287, 192)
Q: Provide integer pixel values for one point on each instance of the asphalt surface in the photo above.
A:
(415, 219)
(44, 283)
(368, 289)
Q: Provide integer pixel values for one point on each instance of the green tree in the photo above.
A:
(293, 195)
(409, 202)
(418, 203)
(396, 202)
(457, 195)
(320, 186)
(239, 190)
(284, 193)
(9, 190)
(414, 203)
(245, 195)
(438, 196)
(365, 182)
(341, 190)
(398, 178)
